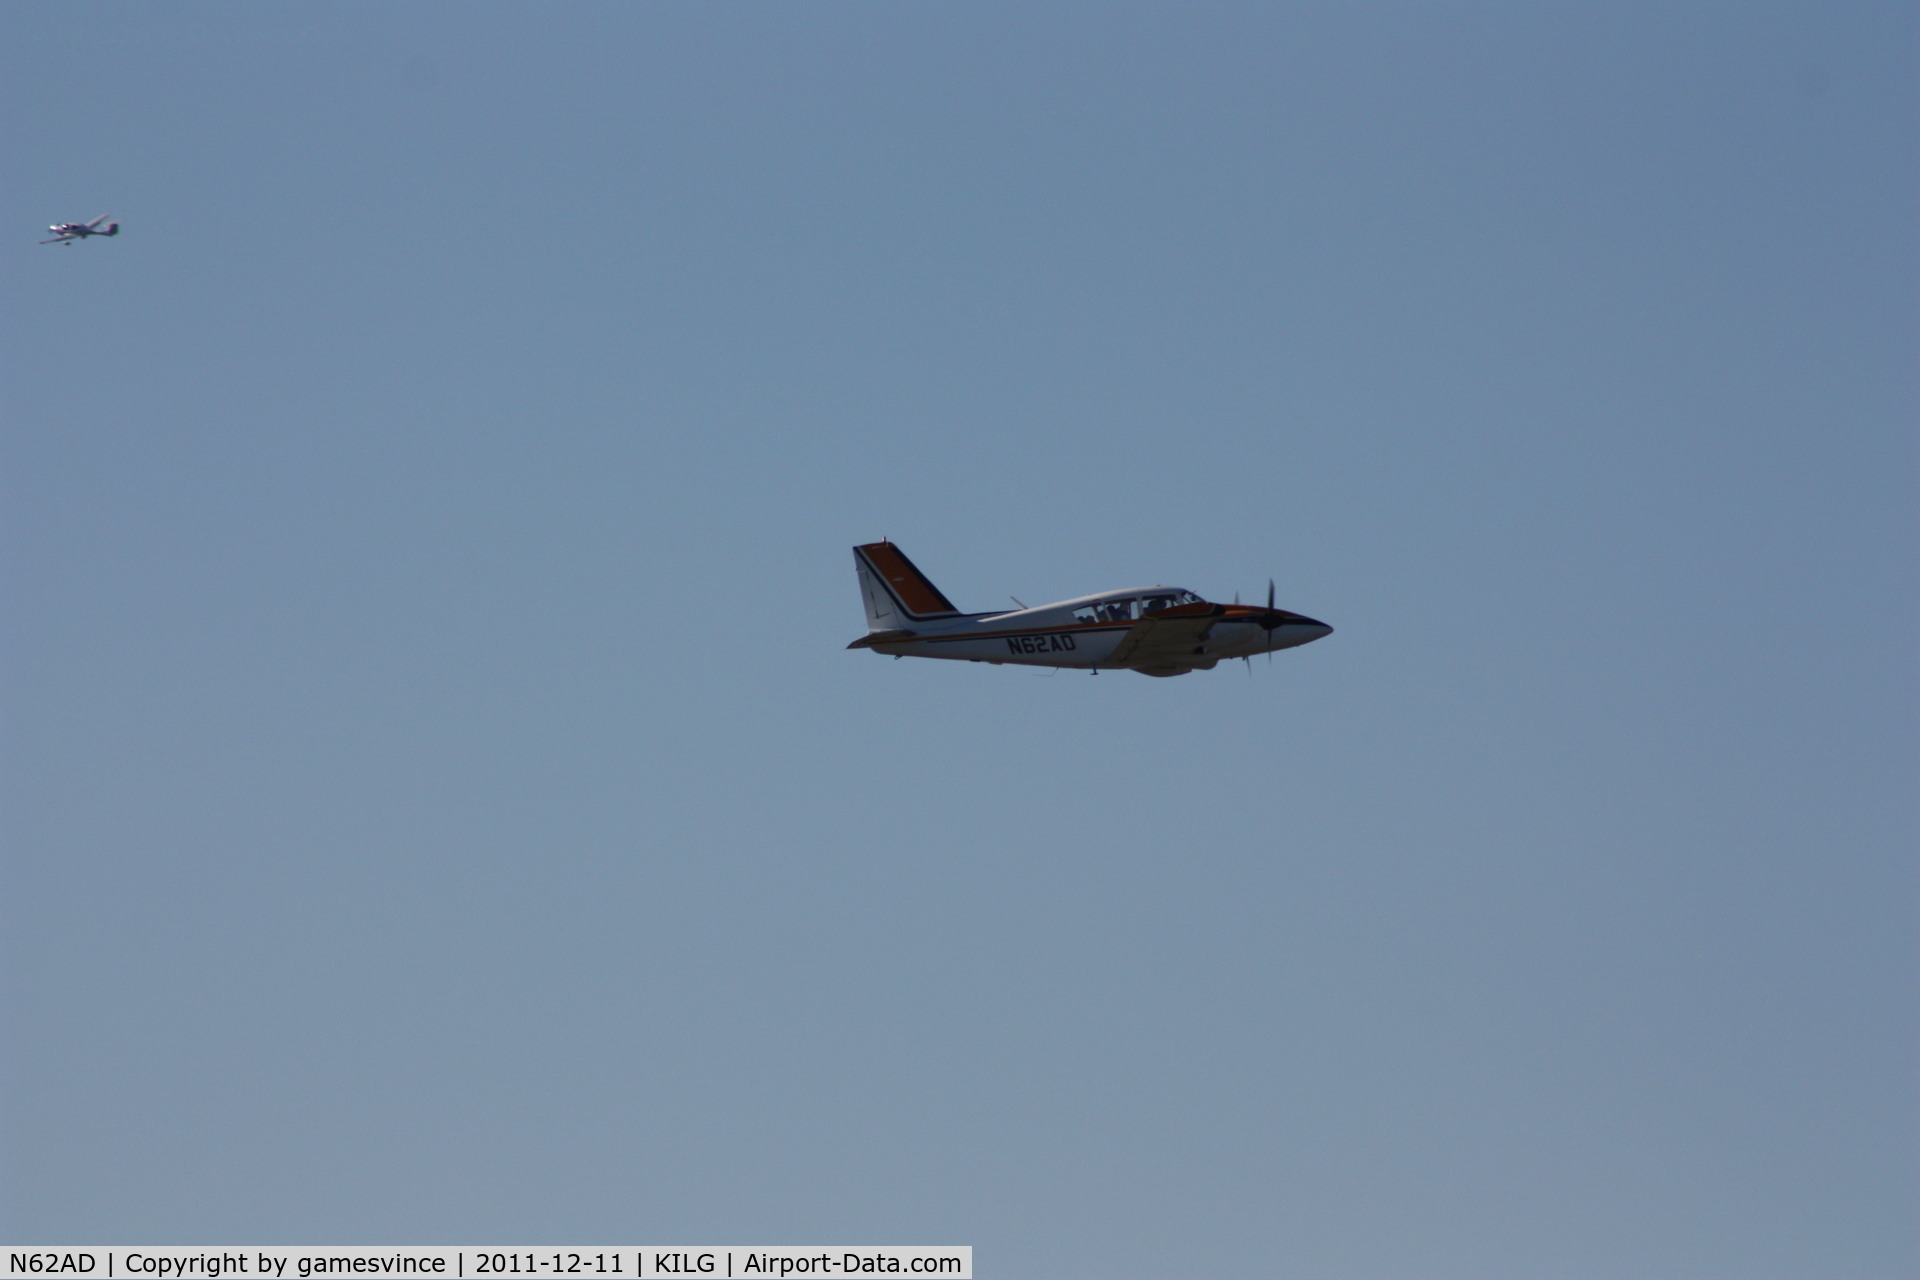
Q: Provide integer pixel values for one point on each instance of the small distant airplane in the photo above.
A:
(1157, 631)
(68, 232)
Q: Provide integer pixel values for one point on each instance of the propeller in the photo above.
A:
(1265, 622)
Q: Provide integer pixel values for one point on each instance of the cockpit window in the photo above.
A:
(1107, 611)
(1129, 609)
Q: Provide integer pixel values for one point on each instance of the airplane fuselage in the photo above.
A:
(68, 232)
(1157, 631)
(1052, 636)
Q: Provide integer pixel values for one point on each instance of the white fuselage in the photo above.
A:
(1051, 635)
(1157, 631)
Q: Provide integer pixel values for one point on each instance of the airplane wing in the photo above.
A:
(97, 221)
(1156, 642)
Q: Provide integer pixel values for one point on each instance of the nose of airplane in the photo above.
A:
(1310, 629)
(1288, 630)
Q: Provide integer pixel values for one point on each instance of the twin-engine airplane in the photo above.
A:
(68, 232)
(1157, 631)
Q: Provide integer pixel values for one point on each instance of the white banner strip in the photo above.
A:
(480, 1262)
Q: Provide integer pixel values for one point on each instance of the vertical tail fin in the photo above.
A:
(896, 593)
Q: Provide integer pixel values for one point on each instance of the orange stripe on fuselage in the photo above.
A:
(908, 583)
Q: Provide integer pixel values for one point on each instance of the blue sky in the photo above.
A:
(440, 807)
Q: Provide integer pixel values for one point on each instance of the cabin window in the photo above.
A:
(1128, 610)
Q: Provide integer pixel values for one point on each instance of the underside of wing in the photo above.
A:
(1163, 642)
